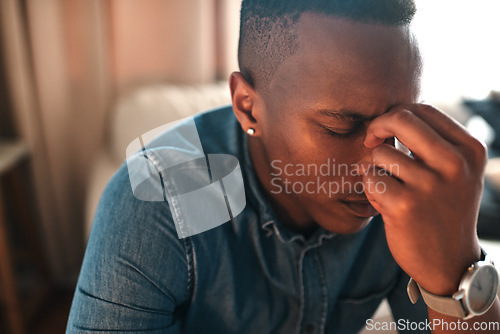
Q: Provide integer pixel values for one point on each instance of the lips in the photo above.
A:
(361, 208)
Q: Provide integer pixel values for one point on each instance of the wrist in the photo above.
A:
(446, 280)
(474, 295)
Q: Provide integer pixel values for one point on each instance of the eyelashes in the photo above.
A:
(342, 135)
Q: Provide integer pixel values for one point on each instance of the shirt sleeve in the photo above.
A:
(407, 315)
(136, 274)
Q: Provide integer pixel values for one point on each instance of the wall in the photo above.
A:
(68, 60)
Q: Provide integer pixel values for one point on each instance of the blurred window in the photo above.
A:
(459, 40)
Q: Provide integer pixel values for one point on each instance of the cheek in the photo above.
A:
(283, 135)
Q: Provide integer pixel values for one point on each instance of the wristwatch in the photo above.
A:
(476, 293)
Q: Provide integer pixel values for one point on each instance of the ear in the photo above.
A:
(243, 97)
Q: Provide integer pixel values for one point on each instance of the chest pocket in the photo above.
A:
(350, 313)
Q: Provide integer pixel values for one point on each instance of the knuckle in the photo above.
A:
(406, 204)
(429, 111)
(479, 151)
(403, 115)
(429, 181)
(425, 107)
(455, 165)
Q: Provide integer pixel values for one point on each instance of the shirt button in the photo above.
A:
(309, 329)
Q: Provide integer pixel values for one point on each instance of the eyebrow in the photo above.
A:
(344, 115)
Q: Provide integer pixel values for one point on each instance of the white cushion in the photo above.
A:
(141, 111)
(152, 106)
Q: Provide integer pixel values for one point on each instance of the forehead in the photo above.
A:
(348, 63)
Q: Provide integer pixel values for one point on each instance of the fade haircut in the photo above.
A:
(269, 35)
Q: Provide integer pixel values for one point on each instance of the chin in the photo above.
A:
(345, 225)
(345, 216)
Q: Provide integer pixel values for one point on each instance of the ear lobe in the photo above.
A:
(243, 99)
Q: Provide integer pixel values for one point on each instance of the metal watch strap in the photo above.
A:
(442, 304)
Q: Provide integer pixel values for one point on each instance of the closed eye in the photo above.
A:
(338, 134)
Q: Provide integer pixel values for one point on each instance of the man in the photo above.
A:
(322, 83)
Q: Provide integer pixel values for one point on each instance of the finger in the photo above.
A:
(446, 126)
(382, 191)
(398, 164)
(474, 149)
(413, 132)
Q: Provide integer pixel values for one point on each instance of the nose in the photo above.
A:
(365, 160)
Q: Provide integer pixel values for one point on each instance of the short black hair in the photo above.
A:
(268, 28)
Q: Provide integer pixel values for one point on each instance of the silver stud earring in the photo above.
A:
(251, 131)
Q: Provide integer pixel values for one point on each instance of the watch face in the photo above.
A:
(482, 289)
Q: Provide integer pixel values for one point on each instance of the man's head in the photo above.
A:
(313, 76)
(268, 29)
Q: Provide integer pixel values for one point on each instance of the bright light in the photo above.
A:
(459, 40)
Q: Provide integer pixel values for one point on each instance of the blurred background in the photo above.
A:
(80, 79)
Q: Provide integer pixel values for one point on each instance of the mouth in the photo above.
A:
(361, 208)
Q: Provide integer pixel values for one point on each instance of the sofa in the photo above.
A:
(138, 112)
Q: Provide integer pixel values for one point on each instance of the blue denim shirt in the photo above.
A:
(249, 275)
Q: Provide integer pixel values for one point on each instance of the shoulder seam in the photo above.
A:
(191, 270)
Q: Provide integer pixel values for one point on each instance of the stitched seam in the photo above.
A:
(292, 239)
(188, 247)
(176, 210)
(302, 289)
(169, 188)
(301, 275)
(324, 292)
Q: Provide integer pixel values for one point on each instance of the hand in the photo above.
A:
(431, 201)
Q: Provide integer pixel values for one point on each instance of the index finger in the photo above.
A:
(411, 131)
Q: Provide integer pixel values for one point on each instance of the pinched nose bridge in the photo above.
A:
(203, 191)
